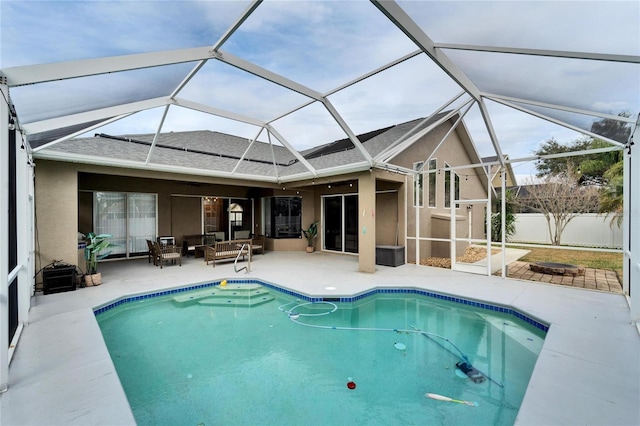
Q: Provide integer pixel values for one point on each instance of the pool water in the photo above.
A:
(193, 364)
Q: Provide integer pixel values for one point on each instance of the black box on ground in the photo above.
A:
(58, 278)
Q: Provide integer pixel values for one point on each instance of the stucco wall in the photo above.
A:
(452, 153)
(56, 204)
(64, 203)
(390, 216)
(367, 223)
(386, 197)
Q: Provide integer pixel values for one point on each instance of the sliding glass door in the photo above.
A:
(231, 216)
(340, 223)
(131, 219)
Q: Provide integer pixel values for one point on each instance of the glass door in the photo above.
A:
(351, 223)
(110, 217)
(240, 213)
(141, 222)
(340, 219)
(131, 219)
(332, 216)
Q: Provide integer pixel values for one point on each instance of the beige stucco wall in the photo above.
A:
(64, 202)
(383, 196)
(56, 196)
(453, 153)
(367, 222)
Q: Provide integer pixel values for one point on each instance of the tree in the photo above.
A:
(618, 131)
(611, 195)
(560, 199)
(509, 219)
(554, 166)
(591, 167)
(602, 169)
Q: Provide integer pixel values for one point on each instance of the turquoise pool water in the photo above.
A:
(289, 362)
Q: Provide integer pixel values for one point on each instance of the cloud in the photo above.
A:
(35, 32)
(325, 44)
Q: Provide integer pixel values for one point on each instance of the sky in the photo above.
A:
(324, 45)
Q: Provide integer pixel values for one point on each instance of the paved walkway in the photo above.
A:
(593, 279)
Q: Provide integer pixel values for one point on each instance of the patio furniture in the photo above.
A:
(195, 243)
(152, 253)
(257, 243)
(167, 241)
(168, 254)
(241, 235)
(227, 250)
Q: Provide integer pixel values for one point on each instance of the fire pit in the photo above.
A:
(556, 268)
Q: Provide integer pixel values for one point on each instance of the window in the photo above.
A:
(129, 218)
(282, 217)
(235, 215)
(213, 209)
(418, 181)
(226, 216)
(432, 182)
(447, 188)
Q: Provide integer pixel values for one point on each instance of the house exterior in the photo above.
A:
(116, 185)
(493, 170)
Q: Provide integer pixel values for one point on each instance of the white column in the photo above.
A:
(452, 216)
(24, 184)
(632, 223)
(416, 212)
(4, 240)
(503, 222)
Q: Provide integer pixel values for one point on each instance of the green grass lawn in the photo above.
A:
(588, 259)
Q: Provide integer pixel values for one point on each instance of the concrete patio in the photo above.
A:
(587, 371)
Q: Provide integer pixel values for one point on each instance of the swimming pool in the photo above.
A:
(289, 361)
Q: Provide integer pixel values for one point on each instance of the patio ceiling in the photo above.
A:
(296, 75)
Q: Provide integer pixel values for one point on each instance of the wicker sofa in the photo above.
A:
(227, 250)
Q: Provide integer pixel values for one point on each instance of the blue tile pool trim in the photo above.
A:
(482, 305)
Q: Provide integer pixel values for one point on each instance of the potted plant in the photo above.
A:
(94, 252)
(310, 234)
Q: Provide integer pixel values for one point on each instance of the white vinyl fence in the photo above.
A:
(588, 230)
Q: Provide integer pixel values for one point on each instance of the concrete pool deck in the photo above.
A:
(587, 372)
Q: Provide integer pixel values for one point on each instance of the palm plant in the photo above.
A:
(611, 195)
(509, 222)
(94, 250)
(311, 233)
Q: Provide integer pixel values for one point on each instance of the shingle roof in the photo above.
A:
(221, 152)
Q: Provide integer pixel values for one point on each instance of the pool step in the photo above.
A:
(246, 302)
(242, 288)
(232, 294)
(194, 296)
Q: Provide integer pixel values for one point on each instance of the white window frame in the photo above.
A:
(456, 187)
(432, 186)
(418, 184)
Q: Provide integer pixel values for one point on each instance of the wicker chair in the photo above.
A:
(152, 253)
(257, 243)
(168, 254)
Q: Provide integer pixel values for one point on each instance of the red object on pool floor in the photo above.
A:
(351, 385)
